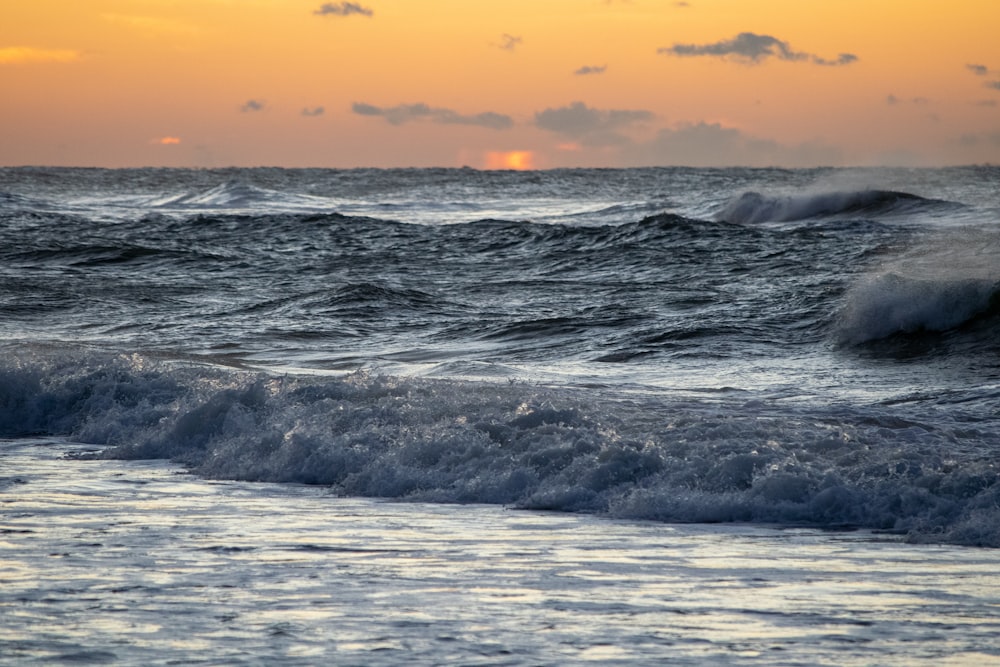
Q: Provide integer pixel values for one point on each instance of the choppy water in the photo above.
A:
(131, 563)
(810, 347)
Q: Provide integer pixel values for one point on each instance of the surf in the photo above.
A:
(751, 208)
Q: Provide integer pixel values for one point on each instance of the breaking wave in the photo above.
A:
(754, 207)
(635, 456)
(938, 285)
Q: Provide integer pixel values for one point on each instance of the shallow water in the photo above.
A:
(112, 562)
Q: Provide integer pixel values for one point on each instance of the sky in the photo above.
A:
(519, 84)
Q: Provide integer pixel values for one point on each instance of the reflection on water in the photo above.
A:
(107, 561)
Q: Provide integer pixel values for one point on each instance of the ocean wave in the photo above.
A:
(754, 207)
(18, 202)
(939, 284)
(725, 457)
(233, 195)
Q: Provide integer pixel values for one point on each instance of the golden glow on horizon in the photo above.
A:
(568, 82)
(516, 160)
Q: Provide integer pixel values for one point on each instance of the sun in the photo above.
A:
(516, 160)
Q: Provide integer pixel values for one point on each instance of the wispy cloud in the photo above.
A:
(591, 126)
(842, 59)
(991, 139)
(343, 9)
(751, 48)
(251, 106)
(16, 55)
(315, 111)
(588, 69)
(405, 113)
(983, 70)
(166, 141)
(509, 42)
(705, 144)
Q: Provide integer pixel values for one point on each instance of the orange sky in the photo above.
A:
(519, 84)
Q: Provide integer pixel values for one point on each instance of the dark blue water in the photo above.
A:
(795, 347)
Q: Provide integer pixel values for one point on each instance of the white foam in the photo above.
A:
(656, 457)
(939, 284)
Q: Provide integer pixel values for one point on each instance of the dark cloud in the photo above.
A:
(986, 103)
(315, 111)
(252, 105)
(752, 48)
(591, 126)
(509, 42)
(343, 9)
(978, 70)
(746, 45)
(587, 69)
(712, 145)
(995, 85)
(405, 113)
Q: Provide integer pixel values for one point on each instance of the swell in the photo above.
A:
(942, 282)
(651, 457)
(501, 290)
(754, 207)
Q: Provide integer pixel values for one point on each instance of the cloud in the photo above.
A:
(16, 55)
(842, 59)
(986, 103)
(705, 144)
(315, 111)
(752, 48)
(746, 45)
(595, 127)
(509, 42)
(166, 141)
(252, 105)
(343, 9)
(995, 85)
(987, 139)
(587, 69)
(405, 113)
(978, 70)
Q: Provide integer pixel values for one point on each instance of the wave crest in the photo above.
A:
(649, 457)
(754, 207)
(936, 286)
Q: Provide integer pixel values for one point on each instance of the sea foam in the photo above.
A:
(643, 456)
(938, 284)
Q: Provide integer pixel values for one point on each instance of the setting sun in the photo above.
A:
(516, 160)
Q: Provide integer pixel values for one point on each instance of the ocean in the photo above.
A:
(450, 416)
